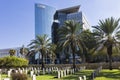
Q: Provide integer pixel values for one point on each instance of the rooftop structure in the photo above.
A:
(70, 10)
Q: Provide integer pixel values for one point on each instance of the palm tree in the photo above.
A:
(41, 44)
(108, 35)
(12, 52)
(90, 42)
(24, 51)
(69, 35)
(52, 52)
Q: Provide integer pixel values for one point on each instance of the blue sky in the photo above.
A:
(17, 17)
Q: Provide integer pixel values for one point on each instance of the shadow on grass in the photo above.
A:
(78, 74)
(104, 75)
(110, 74)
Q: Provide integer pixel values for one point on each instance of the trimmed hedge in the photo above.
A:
(12, 61)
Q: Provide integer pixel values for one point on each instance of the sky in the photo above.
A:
(17, 17)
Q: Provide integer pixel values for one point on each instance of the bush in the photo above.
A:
(12, 61)
(19, 76)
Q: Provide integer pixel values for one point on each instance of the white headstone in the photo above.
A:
(50, 69)
(9, 73)
(31, 73)
(16, 71)
(64, 72)
(6, 79)
(47, 70)
(73, 71)
(67, 71)
(38, 72)
(34, 77)
(84, 77)
(35, 68)
(61, 73)
(32, 68)
(80, 78)
(58, 74)
(26, 71)
(21, 71)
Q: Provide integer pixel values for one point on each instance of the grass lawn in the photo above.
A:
(109, 75)
(68, 77)
(104, 75)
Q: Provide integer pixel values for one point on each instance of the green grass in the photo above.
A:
(68, 77)
(109, 75)
(3, 76)
(105, 74)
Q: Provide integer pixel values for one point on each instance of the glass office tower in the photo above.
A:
(71, 13)
(43, 19)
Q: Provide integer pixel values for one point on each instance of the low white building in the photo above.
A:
(5, 52)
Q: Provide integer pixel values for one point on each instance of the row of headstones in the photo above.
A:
(33, 71)
(67, 71)
(36, 71)
(44, 71)
(62, 73)
(96, 72)
(21, 71)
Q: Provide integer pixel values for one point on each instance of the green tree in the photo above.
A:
(69, 37)
(108, 35)
(12, 52)
(52, 52)
(89, 43)
(24, 51)
(41, 44)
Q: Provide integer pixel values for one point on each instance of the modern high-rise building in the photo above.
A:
(48, 20)
(71, 13)
(43, 19)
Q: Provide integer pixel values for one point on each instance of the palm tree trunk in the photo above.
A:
(109, 51)
(73, 52)
(84, 55)
(83, 58)
(39, 59)
(42, 60)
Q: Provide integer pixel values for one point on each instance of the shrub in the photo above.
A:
(19, 76)
(12, 61)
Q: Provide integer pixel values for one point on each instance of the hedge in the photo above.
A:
(12, 61)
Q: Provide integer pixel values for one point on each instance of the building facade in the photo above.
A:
(43, 19)
(5, 52)
(62, 15)
(71, 13)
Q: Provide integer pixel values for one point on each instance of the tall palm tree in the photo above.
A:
(41, 44)
(108, 35)
(69, 37)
